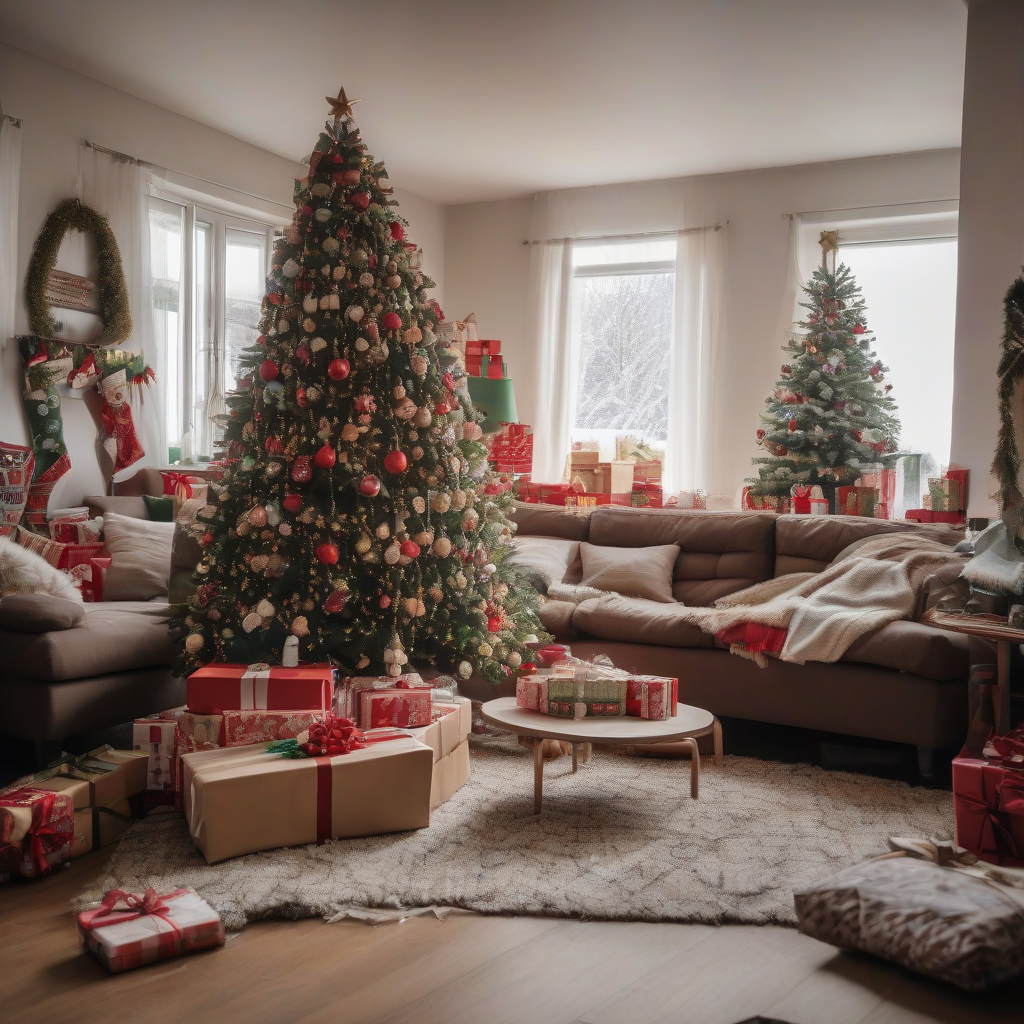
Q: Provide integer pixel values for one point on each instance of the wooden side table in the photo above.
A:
(996, 629)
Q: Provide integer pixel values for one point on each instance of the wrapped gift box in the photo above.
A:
(193, 732)
(450, 726)
(243, 799)
(96, 827)
(403, 708)
(220, 687)
(347, 695)
(450, 774)
(36, 831)
(242, 728)
(603, 697)
(128, 931)
(155, 737)
(532, 692)
(988, 809)
(652, 697)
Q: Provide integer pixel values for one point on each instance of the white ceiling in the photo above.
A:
(469, 101)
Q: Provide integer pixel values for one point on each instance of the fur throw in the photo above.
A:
(24, 572)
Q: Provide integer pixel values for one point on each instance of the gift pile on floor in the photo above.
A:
(259, 758)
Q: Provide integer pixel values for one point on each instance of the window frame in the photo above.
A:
(196, 436)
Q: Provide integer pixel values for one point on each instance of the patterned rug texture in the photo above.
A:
(619, 840)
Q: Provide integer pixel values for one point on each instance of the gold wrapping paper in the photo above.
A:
(240, 800)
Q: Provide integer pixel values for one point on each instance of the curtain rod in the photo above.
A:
(873, 206)
(178, 170)
(626, 238)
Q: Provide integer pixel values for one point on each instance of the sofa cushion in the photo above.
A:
(721, 552)
(810, 543)
(639, 572)
(549, 521)
(548, 560)
(186, 552)
(39, 613)
(124, 505)
(635, 620)
(914, 647)
(140, 558)
(115, 637)
(556, 618)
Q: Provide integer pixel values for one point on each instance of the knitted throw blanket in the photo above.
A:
(826, 612)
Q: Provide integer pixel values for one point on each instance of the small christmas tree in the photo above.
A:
(356, 511)
(830, 417)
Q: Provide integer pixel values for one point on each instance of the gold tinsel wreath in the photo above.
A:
(115, 307)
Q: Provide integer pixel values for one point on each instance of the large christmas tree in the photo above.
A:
(356, 511)
(830, 417)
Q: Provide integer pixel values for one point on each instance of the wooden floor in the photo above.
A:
(472, 969)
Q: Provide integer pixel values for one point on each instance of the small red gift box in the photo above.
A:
(532, 693)
(652, 697)
(406, 709)
(220, 687)
(988, 808)
(128, 931)
(37, 827)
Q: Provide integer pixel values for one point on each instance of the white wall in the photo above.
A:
(58, 108)
(486, 267)
(991, 229)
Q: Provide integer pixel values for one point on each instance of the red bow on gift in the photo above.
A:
(333, 736)
(172, 481)
(41, 827)
(133, 906)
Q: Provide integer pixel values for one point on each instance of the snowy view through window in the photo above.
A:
(622, 318)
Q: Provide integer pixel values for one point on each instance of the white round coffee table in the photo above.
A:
(684, 727)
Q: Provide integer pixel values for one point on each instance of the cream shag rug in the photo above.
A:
(619, 840)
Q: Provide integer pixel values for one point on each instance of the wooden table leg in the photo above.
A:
(694, 767)
(719, 759)
(1002, 702)
(574, 757)
(538, 774)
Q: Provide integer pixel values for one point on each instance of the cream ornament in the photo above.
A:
(193, 642)
(363, 544)
(309, 304)
(458, 500)
(514, 659)
(349, 432)
(265, 609)
(355, 313)
(419, 505)
(300, 626)
(442, 547)
(423, 417)
(465, 669)
(441, 502)
(290, 268)
(383, 531)
(362, 345)
(405, 409)
(252, 621)
(392, 554)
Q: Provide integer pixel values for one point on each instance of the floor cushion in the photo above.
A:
(115, 637)
(638, 621)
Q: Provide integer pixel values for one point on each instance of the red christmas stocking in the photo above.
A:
(120, 441)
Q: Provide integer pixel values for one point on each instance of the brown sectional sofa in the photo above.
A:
(904, 683)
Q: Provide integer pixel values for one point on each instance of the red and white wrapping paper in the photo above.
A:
(532, 692)
(156, 736)
(652, 697)
(346, 698)
(241, 728)
(127, 930)
(406, 709)
(219, 687)
(37, 827)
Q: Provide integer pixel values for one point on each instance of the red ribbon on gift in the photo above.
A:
(41, 827)
(149, 903)
(172, 481)
(996, 838)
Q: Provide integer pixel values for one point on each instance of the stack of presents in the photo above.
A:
(259, 758)
(567, 687)
(591, 481)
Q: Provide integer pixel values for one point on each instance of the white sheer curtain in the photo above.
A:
(798, 272)
(118, 187)
(551, 308)
(698, 327)
(10, 175)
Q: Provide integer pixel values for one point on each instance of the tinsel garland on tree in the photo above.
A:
(357, 511)
(830, 417)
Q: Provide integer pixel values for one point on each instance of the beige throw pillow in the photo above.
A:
(140, 558)
(638, 572)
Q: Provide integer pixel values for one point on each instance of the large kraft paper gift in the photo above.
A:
(242, 799)
(218, 687)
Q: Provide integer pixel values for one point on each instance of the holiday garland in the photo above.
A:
(1006, 462)
(116, 310)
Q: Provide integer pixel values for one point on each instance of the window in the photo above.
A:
(910, 291)
(622, 322)
(208, 272)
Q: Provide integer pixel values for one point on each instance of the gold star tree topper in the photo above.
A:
(341, 105)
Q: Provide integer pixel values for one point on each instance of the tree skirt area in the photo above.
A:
(619, 840)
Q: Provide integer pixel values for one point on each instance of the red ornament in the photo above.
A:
(302, 354)
(391, 321)
(302, 469)
(781, 450)
(338, 369)
(385, 601)
(494, 624)
(343, 232)
(300, 397)
(858, 328)
(369, 486)
(336, 601)
(371, 261)
(395, 462)
(792, 424)
(360, 200)
(410, 548)
(208, 538)
(268, 370)
(397, 231)
(327, 553)
(760, 436)
(325, 457)
(442, 408)
(492, 488)
(292, 502)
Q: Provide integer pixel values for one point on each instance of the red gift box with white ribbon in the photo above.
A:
(220, 687)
